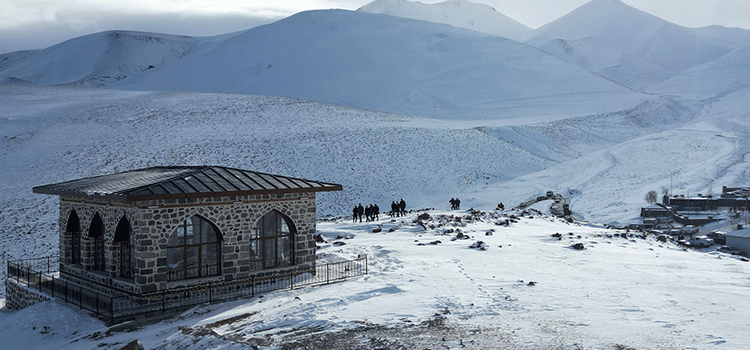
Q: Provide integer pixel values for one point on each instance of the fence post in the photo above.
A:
(48, 263)
(97, 303)
(210, 290)
(111, 309)
(328, 273)
(366, 265)
(40, 281)
(66, 291)
(163, 300)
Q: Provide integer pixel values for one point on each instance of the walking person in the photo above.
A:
(360, 211)
(453, 204)
(458, 204)
(376, 212)
(402, 206)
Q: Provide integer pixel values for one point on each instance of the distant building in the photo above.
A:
(154, 229)
(657, 216)
(739, 240)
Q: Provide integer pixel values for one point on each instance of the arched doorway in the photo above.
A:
(96, 234)
(123, 240)
(73, 229)
(272, 242)
(194, 249)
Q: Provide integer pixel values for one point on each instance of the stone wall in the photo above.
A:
(152, 223)
(18, 296)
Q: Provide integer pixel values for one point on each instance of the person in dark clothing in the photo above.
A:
(453, 204)
(360, 211)
(402, 206)
(368, 213)
(458, 204)
(376, 212)
(355, 211)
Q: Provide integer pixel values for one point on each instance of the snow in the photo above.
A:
(349, 58)
(395, 108)
(627, 45)
(458, 13)
(618, 291)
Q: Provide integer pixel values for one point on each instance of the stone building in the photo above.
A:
(160, 228)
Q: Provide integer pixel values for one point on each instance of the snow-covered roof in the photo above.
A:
(183, 182)
(744, 233)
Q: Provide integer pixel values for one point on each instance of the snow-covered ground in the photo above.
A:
(432, 112)
(427, 289)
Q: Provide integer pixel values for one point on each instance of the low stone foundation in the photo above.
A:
(18, 296)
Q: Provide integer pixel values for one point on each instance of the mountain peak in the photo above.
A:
(457, 13)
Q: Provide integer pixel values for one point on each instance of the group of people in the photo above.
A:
(371, 212)
(455, 204)
(398, 209)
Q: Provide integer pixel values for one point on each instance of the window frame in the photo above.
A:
(200, 249)
(272, 242)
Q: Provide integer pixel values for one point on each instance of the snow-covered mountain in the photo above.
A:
(349, 58)
(628, 45)
(718, 77)
(458, 13)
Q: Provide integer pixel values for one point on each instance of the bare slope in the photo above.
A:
(628, 45)
(458, 13)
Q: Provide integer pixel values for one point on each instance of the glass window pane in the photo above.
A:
(191, 234)
(210, 254)
(269, 252)
(208, 235)
(192, 261)
(284, 228)
(174, 257)
(285, 251)
(178, 237)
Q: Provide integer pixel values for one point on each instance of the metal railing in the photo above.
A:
(36, 274)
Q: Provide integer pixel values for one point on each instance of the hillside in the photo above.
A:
(427, 288)
(628, 45)
(718, 77)
(458, 13)
(349, 58)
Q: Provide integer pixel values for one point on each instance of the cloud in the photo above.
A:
(66, 24)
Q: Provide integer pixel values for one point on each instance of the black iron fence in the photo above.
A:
(37, 274)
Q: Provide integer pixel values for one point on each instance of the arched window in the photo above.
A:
(96, 233)
(74, 229)
(272, 242)
(123, 240)
(194, 250)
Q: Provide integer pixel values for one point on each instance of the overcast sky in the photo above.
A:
(35, 24)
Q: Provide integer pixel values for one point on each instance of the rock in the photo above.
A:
(319, 238)
(578, 246)
(532, 283)
(391, 229)
(133, 345)
(377, 230)
(339, 243)
(479, 245)
(424, 216)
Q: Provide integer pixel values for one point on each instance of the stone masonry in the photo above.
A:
(153, 221)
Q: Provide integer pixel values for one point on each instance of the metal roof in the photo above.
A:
(176, 182)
